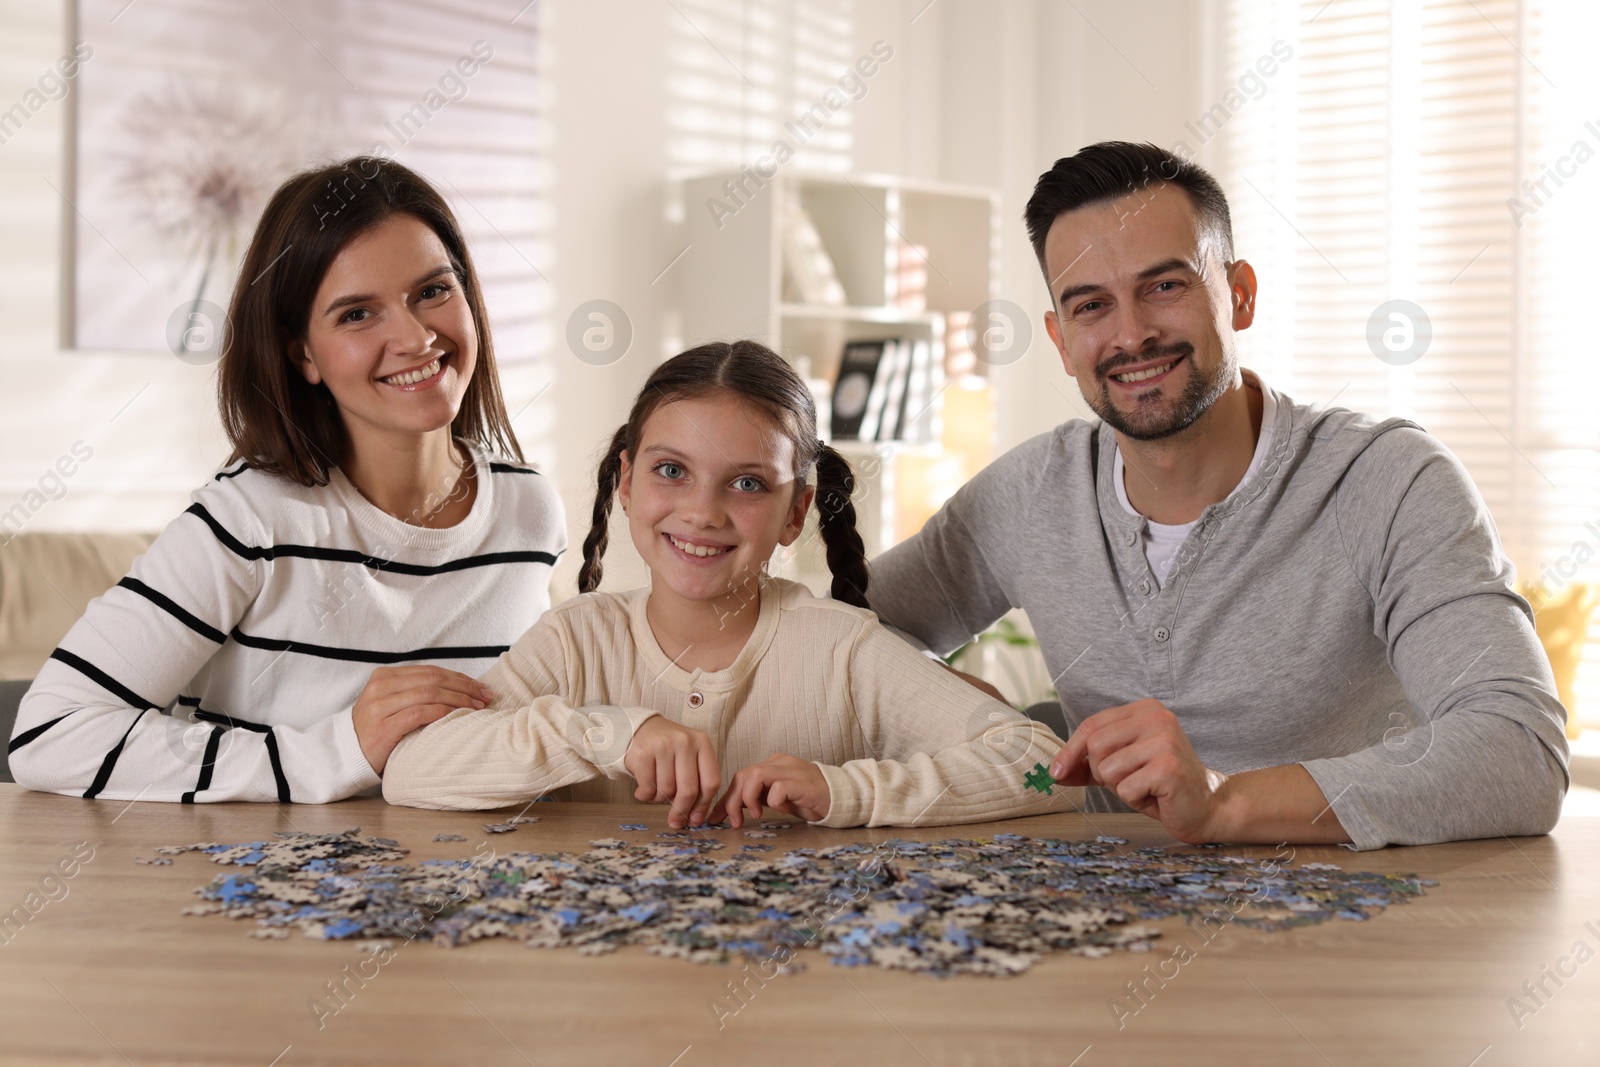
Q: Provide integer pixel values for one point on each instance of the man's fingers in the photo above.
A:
(1071, 765)
(1142, 791)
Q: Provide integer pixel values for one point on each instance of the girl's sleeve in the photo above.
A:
(92, 723)
(943, 751)
(528, 742)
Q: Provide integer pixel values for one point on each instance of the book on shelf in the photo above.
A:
(916, 422)
(872, 422)
(887, 390)
(852, 390)
(892, 426)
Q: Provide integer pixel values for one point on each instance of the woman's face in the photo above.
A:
(391, 333)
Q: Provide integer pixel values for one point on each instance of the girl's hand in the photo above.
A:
(397, 700)
(793, 786)
(675, 765)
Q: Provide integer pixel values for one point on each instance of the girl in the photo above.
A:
(365, 517)
(718, 665)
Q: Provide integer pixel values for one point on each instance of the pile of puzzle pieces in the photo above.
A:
(958, 906)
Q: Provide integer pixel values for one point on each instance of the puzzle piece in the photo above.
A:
(1039, 779)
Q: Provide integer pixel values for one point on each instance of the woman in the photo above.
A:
(366, 518)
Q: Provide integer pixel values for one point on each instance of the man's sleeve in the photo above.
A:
(954, 578)
(1490, 757)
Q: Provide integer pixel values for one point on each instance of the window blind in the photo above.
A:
(1386, 160)
(739, 71)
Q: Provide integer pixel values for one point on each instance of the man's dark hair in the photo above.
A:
(1113, 169)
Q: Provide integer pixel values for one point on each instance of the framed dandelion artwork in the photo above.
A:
(190, 112)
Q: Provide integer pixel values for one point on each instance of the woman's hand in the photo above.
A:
(397, 700)
(675, 765)
(793, 786)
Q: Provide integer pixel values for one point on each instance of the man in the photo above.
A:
(1266, 622)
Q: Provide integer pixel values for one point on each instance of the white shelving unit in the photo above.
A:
(737, 288)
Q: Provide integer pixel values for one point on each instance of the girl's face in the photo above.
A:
(391, 333)
(710, 494)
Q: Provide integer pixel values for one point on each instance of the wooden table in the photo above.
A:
(112, 973)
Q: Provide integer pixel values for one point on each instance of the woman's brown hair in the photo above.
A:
(758, 374)
(276, 420)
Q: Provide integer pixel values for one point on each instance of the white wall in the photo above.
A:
(994, 93)
(978, 93)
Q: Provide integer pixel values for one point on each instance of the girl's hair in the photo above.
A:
(762, 377)
(276, 420)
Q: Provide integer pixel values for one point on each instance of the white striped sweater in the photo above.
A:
(263, 610)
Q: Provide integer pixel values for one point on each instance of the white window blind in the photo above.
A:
(1385, 161)
(740, 71)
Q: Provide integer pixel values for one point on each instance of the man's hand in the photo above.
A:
(675, 765)
(1139, 752)
(397, 700)
(793, 786)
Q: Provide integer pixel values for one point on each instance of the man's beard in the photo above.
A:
(1152, 420)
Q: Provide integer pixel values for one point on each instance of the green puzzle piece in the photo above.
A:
(1039, 779)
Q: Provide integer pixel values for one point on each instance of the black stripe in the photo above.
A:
(240, 469)
(171, 607)
(207, 762)
(345, 555)
(257, 728)
(506, 468)
(189, 702)
(229, 721)
(277, 767)
(363, 655)
(109, 764)
(102, 679)
(28, 735)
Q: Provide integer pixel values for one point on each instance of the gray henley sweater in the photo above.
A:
(1349, 609)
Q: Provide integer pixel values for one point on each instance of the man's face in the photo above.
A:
(1145, 310)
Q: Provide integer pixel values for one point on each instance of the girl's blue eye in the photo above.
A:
(749, 483)
(668, 469)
